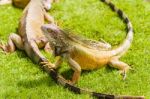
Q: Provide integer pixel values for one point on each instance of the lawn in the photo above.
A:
(20, 78)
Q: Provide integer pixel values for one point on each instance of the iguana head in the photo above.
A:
(56, 37)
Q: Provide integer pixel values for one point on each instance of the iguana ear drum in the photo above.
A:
(57, 51)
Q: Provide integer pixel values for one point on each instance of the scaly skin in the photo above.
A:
(23, 3)
(81, 55)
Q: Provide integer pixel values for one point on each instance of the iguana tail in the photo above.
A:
(60, 80)
(127, 42)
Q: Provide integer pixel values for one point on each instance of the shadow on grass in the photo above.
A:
(34, 82)
(69, 72)
(46, 81)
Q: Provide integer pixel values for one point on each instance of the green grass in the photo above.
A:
(20, 78)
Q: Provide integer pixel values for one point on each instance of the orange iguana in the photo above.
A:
(77, 54)
(23, 3)
(81, 54)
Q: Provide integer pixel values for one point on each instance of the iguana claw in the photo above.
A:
(123, 72)
(3, 52)
(124, 75)
(47, 64)
(2, 46)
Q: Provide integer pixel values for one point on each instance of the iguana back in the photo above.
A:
(31, 21)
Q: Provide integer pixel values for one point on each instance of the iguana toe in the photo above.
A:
(48, 64)
(123, 74)
(3, 52)
(4, 49)
(2, 46)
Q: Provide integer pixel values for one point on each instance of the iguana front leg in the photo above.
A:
(35, 55)
(73, 64)
(123, 67)
(47, 48)
(14, 40)
(42, 42)
(76, 67)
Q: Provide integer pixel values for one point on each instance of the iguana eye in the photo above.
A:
(50, 30)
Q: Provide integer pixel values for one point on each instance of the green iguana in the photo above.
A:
(23, 3)
(80, 54)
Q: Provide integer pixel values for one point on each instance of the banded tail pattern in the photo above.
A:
(127, 42)
(60, 80)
